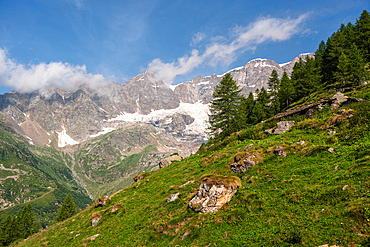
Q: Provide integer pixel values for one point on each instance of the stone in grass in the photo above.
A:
(243, 161)
(95, 221)
(173, 197)
(331, 150)
(279, 151)
(331, 132)
(167, 161)
(283, 127)
(93, 237)
(214, 192)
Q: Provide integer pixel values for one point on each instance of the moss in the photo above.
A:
(227, 181)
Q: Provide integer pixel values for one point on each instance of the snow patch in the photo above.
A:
(198, 111)
(263, 64)
(102, 132)
(283, 64)
(203, 83)
(64, 139)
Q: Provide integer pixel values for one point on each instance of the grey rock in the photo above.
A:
(173, 197)
(93, 237)
(242, 166)
(279, 151)
(331, 150)
(336, 168)
(344, 187)
(283, 127)
(339, 97)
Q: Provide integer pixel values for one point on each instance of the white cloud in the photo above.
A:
(41, 76)
(220, 51)
(197, 38)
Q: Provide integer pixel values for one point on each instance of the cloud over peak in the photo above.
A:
(40, 76)
(222, 50)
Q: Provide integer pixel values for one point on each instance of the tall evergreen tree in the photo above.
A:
(351, 67)
(247, 108)
(274, 85)
(67, 209)
(286, 91)
(26, 223)
(225, 108)
(261, 109)
(362, 34)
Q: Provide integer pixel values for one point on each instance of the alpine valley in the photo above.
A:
(92, 141)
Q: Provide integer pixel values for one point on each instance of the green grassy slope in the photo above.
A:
(310, 197)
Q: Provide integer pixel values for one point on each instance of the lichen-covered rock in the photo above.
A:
(283, 127)
(243, 161)
(214, 192)
(167, 161)
(242, 166)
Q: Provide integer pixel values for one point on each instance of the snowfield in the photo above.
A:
(64, 139)
(198, 111)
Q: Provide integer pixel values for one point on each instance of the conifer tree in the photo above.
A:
(362, 34)
(26, 225)
(247, 108)
(351, 68)
(225, 108)
(286, 91)
(67, 209)
(261, 110)
(274, 85)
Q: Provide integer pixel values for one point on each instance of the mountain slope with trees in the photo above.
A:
(308, 186)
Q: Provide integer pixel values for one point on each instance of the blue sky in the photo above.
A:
(66, 42)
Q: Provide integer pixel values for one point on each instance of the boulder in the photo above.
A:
(283, 127)
(167, 161)
(279, 151)
(214, 192)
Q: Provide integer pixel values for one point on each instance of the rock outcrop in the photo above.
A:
(167, 161)
(282, 127)
(243, 161)
(214, 192)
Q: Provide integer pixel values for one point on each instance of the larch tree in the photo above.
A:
(67, 209)
(225, 109)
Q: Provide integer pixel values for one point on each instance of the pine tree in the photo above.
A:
(225, 108)
(247, 108)
(67, 209)
(362, 34)
(26, 225)
(286, 91)
(351, 67)
(261, 110)
(274, 85)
